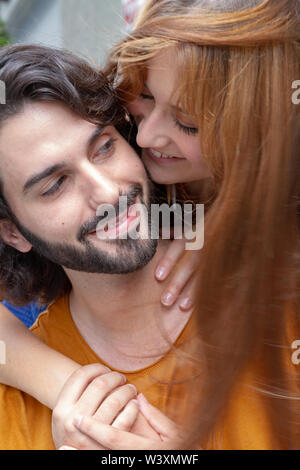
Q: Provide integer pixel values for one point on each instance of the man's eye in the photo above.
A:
(55, 187)
(106, 148)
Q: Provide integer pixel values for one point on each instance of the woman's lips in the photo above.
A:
(162, 160)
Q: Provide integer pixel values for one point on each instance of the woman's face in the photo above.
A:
(170, 139)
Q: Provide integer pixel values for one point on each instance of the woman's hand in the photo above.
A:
(182, 265)
(168, 434)
(98, 393)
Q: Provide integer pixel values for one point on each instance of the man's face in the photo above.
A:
(57, 169)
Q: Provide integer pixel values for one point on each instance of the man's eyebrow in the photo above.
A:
(97, 132)
(35, 179)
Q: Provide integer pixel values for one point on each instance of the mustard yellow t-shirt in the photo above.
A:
(26, 424)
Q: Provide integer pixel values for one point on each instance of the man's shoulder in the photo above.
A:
(28, 421)
(56, 328)
(54, 317)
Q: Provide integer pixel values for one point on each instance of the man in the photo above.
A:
(62, 156)
(28, 313)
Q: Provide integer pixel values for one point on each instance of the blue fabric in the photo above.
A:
(27, 314)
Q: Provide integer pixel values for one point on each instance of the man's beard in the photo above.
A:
(129, 254)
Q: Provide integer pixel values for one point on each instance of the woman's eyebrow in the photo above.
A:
(174, 106)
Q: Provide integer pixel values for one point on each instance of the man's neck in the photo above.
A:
(121, 317)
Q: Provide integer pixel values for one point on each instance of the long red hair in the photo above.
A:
(236, 66)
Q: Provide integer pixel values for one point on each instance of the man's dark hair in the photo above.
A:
(37, 73)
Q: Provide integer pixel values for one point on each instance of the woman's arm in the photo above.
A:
(40, 371)
(31, 366)
(47, 375)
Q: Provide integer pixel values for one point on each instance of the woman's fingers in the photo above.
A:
(111, 437)
(80, 441)
(67, 448)
(117, 437)
(182, 265)
(110, 409)
(126, 419)
(83, 393)
(97, 391)
(141, 427)
(165, 427)
(78, 381)
(66, 434)
(187, 297)
(182, 273)
(114, 408)
(169, 260)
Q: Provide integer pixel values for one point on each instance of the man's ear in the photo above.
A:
(12, 237)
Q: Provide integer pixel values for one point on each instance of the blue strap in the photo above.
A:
(27, 314)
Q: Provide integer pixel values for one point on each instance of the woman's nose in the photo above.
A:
(152, 131)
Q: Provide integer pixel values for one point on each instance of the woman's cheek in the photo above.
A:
(134, 107)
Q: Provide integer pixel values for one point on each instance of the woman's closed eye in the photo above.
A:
(189, 130)
(145, 96)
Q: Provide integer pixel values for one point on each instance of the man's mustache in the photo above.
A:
(91, 225)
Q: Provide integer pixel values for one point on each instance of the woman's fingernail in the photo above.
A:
(160, 273)
(142, 398)
(133, 386)
(77, 420)
(167, 299)
(186, 303)
(122, 377)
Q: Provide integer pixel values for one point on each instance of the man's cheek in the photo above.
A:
(47, 227)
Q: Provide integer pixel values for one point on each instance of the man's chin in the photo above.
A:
(119, 259)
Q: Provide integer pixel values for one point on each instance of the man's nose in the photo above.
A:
(100, 186)
(152, 131)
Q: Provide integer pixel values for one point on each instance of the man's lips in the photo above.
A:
(117, 226)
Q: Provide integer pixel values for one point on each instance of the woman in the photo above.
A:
(234, 63)
(224, 128)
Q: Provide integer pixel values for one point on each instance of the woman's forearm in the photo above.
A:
(30, 365)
